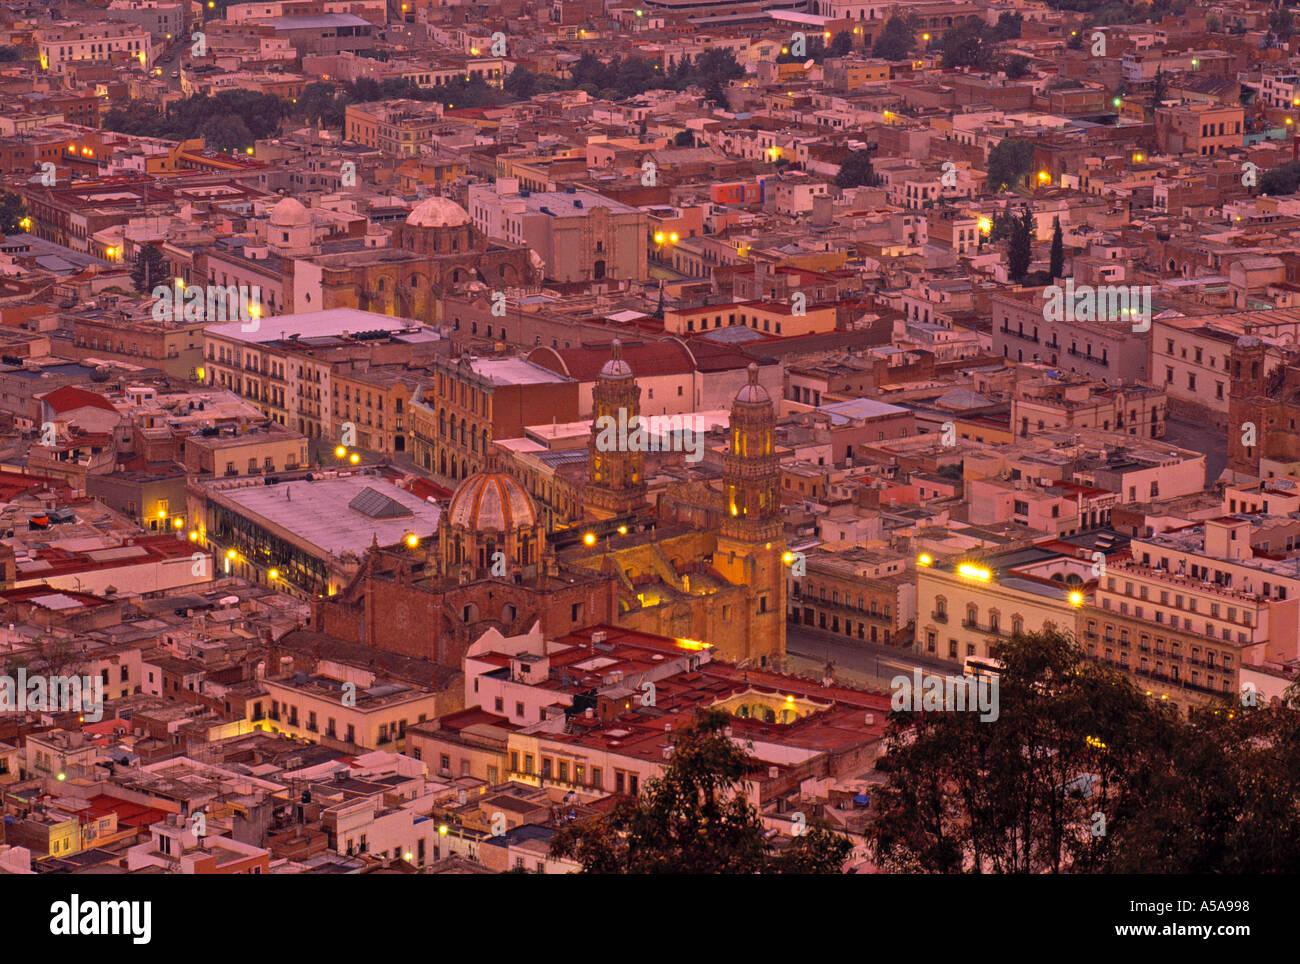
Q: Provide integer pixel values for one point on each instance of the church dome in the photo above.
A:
(491, 500)
(437, 212)
(288, 213)
(753, 393)
(616, 367)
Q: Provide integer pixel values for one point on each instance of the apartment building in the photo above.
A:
(286, 365)
(65, 44)
(1108, 349)
(1068, 405)
(402, 127)
(468, 402)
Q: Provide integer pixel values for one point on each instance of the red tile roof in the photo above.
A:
(69, 398)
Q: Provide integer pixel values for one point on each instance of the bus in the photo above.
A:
(978, 666)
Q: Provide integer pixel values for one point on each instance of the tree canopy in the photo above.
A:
(1081, 772)
(696, 819)
(1009, 161)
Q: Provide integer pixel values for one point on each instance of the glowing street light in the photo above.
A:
(340, 452)
(589, 538)
(924, 559)
(969, 570)
(1076, 599)
(412, 541)
(354, 458)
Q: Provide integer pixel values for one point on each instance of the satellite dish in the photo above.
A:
(809, 65)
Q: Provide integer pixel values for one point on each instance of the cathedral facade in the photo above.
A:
(492, 564)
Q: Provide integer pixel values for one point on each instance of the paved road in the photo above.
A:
(853, 658)
(1199, 437)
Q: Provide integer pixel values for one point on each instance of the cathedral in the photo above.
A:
(718, 578)
(435, 250)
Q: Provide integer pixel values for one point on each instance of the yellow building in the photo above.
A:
(352, 713)
(800, 317)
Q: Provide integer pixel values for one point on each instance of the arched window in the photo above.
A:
(972, 615)
(1017, 624)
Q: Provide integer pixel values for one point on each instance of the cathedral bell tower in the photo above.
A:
(751, 544)
(616, 485)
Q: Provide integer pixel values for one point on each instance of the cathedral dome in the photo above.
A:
(491, 500)
(753, 393)
(616, 367)
(437, 212)
(289, 213)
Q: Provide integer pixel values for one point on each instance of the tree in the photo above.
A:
(226, 133)
(1008, 26)
(1284, 179)
(520, 82)
(684, 139)
(1020, 794)
(842, 44)
(897, 39)
(1016, 66)
(856, 171)
(1009, 161)
(1057, 268)
(695, 819)
(967, 44)
(1281, 24)
(1020, 254)
(150, 269)
(1159, 88)
(12, 212)
(9, 55)
(315, 101)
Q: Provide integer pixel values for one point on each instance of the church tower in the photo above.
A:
(751, 545)
(616, 485)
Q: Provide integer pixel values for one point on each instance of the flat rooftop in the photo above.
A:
(332, 323)
(321, 513)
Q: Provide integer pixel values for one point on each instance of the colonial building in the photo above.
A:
(492, 563)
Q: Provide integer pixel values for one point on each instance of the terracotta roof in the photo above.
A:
(69, 397)
(644, 358)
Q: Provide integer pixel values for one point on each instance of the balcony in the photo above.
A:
(939, 617)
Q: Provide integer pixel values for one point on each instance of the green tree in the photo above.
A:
(1016, 66)
(150, 269)
(695, 819)
(897, 39)
(1284, 179)
(684, 139)
(315, 101)
(9, 55)
(1281, 24)
(1057, 267)
(521, 83)
(1159, 89)
(967, 44)
(12, 212)
(1009, 161)
(226, 132)
(1018, 794)
(856, 171)
(841, 44)
(1021, 252)
(1008, 26)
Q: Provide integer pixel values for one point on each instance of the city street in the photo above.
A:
(856, 660)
